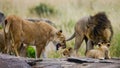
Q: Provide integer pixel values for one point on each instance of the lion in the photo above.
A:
(92, 29)
(67, 52)
(2, 41)
(100, 53)
(23, 48)
(38, 34)
(41, 19)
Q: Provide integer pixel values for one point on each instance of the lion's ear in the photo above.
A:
(70, 48)
(99, 44)
(59, 32)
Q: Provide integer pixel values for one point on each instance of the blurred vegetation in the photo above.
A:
(31, 52)
(1, 27)
(43, 10)
(54, 54)
(70, 12)
(115, 46)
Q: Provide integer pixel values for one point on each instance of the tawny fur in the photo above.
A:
(38, 34)
(92, 29)
(67, 52)
(2, 41)
(100, 53)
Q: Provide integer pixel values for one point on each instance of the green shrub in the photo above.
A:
(30, 52)
(43, 10)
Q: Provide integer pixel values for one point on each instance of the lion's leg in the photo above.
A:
(78, 42)
(86, 40)
(8, 45)
(44, 55)
(16, 48)
(100, 57)
(107, 55)
(89, 46)
(39, 49)
(23, 50)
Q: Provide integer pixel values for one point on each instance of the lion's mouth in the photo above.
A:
(59, 45)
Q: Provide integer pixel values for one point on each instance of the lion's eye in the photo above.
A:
(108, 45)
(99, 45)
(63, 41)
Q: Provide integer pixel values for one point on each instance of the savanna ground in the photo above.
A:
(65, 13)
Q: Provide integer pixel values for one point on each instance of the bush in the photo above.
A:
(30, 52)
(43, 10)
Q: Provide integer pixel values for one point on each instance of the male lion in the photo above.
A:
(38, 34)
(100, 53)
(92, 29)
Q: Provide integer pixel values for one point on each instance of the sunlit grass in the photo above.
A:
(115, 46)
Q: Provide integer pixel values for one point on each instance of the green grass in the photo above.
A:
(115, 47)
(43, 10)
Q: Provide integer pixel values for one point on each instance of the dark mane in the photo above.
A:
(102, 20)
(102, 23)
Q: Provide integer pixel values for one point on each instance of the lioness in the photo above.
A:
(41, 19)
(100, 53)
(38, 34)
(2, 41)
(92, 29)
(23, 48)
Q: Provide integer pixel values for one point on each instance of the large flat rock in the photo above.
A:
(7, 61)
(78, 63)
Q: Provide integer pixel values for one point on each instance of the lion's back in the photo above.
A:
(82, 24)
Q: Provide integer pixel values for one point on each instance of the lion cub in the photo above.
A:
(102, 52)
(67, 52)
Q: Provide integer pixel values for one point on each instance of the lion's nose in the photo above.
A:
(64, 46)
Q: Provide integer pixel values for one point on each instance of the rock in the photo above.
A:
(7, 61)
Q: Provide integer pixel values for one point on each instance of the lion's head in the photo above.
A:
(59, 40)
(67, 52)
(104, 46)
(97, 24)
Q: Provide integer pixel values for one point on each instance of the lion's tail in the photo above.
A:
(71, 37)
(7, 26)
